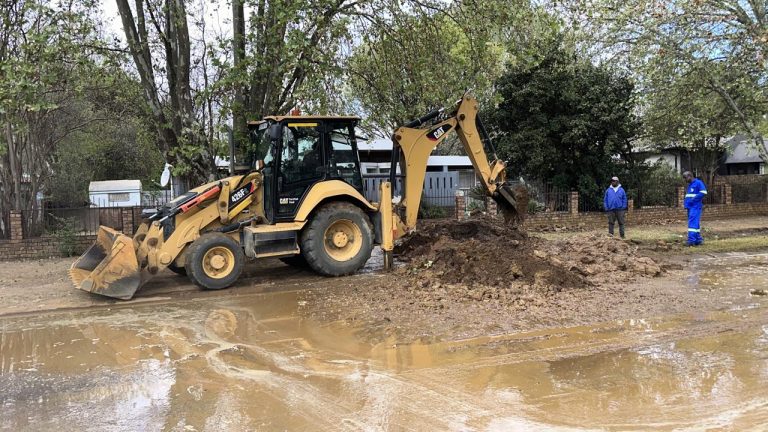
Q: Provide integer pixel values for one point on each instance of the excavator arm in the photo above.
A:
(413, 146)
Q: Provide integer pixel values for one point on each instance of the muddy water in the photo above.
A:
(254, 362)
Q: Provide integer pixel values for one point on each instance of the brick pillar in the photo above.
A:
(727, 194)
(16, 225)
(630, 205)
(680, 196)
(574, 205)
(461, 205)
(126, 215)
(491, 207)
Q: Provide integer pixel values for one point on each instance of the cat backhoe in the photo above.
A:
(299, 198)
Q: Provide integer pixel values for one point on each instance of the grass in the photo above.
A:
(733, 244)
(717, 240)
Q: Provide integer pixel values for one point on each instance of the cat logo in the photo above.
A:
(436, 133)
(288, 201)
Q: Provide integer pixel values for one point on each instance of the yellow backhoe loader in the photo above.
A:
(300, 199)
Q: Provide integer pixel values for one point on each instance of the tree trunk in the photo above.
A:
(239, 120)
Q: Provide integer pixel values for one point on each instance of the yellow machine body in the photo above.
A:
(330, 219)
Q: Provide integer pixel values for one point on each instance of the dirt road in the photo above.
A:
(287, 350)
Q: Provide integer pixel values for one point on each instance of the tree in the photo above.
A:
(286, 52)
(410, 62)
(563, 121)
(157, 32)
(722, 43)
(682, 113)
(120, 145)
(45, 47)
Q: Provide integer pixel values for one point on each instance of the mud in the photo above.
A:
(262, 360)
(485, 259)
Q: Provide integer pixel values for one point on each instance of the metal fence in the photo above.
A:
(715, 194)
(438, 198)
(75, 221)
(371, 183)
(157, 198)
(653, 198)
(439, 188)
(547, 198)
(749, 193)
(591, 203)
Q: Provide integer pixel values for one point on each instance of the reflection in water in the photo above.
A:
(254, 362)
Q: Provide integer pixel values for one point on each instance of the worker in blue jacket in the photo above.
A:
(615, 203)
(694, 203)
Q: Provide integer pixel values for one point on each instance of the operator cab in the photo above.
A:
(296, 152)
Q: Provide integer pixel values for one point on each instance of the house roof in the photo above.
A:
(449, 161)
(303, 118)
(742, 150)
(115, 186)
(376, 144)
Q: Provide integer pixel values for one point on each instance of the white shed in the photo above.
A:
(115, 193)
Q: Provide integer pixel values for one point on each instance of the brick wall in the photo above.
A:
(17, 247)
(572, 218)
(41, 247)
(644, 216)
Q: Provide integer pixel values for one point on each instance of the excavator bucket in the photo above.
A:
(512, 200)
(109, 267)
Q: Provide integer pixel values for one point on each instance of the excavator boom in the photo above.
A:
(413, 146)
(416, 144)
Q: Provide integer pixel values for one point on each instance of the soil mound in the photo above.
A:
(479, 251)
(482, 258)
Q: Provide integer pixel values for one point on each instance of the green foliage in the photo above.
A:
(702, 63)
(429, 211)
(656, 186)
(475, 205)
(48, 59)
(563, 121)
(118, 145)
(66, 234)
(412, 61)
(535, 207)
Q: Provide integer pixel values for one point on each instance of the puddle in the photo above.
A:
(730, 271)
(255, 362)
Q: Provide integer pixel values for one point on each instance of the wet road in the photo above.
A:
(255, 362)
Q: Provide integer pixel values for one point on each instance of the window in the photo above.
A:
(119, 197)
(301, 164)
(302, 156)
(343, 161)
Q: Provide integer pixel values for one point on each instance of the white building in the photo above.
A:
(115, 193)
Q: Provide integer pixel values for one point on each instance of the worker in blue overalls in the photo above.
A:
(694, 203)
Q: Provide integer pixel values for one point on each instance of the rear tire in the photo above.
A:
(214, 261)
(338, 240)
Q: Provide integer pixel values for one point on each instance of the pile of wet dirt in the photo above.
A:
(482, 258)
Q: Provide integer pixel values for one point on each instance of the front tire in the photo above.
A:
(338, 240)
(181, 271)
(214, 261)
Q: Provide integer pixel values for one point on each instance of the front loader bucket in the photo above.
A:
(513, 202)
(109, 267)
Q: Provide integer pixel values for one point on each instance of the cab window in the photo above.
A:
(343, 160)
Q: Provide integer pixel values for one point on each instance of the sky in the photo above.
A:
(217, 15)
